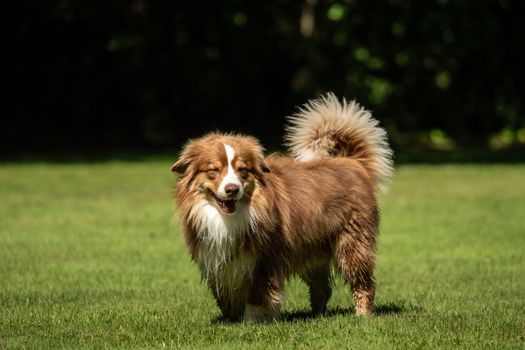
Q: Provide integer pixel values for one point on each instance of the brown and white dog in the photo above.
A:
(250, 222)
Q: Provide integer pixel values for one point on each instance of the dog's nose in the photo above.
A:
(231, 189)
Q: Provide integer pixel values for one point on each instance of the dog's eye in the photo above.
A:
(212, 173)
(243, 172)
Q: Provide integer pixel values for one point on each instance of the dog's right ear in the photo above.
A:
(181, 165)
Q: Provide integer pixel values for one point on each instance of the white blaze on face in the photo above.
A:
(231, 177)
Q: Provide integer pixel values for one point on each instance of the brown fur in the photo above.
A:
(294, 218)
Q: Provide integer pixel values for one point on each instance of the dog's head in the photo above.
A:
(222, 169)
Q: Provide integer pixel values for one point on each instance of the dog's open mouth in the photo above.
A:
(227, 206)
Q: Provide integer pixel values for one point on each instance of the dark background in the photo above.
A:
(106, 75)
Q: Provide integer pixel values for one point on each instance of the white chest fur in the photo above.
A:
(221, 262)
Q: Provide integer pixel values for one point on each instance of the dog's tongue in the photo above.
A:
(228, 206)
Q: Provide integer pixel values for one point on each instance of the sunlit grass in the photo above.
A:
(89, 258)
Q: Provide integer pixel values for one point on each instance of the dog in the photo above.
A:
(250, 221)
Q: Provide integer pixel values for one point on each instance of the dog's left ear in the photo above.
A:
(263, 166)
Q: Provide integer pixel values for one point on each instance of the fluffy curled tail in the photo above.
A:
(326, 127)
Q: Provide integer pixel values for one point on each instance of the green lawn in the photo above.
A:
(89, 257)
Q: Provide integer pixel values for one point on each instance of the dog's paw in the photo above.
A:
(258, 314)
(363, 310)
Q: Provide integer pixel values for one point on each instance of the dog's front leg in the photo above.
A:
(231, 306)
(264, 301)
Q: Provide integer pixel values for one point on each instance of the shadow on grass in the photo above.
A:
(299, 316)
(383, 309)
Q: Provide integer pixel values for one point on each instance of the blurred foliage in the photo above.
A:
(139, 73)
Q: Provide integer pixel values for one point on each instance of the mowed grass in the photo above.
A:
(90, 258)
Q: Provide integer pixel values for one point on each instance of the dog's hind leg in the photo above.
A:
(319, 283)
(354, 258)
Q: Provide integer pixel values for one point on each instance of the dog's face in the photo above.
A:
(221, 169)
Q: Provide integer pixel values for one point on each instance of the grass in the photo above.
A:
(89, 258)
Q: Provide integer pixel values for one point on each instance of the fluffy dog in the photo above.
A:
(250, 222)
